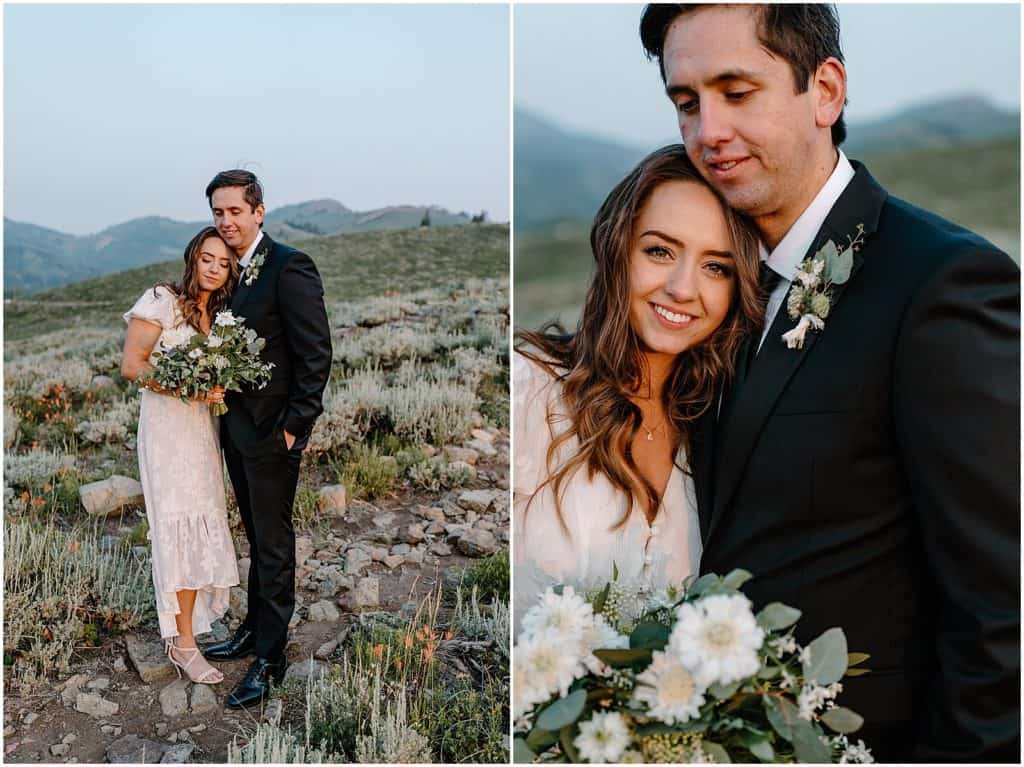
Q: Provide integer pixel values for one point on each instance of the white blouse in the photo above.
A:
(648, 557)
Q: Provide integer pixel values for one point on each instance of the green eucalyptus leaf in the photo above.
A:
(842, 720)
(758, 745)
(717, 753)
(701, 585)
(828, 657)
(808, 746)
(782, 715)
(625, 658)
(777, 616)
(724, 691)
(736, 578)
(566, 738)
(842, 265)
(768, 672)
(563, 711)
(856, 658)
(602, 598)
(540, 740)
(652, 636)
(521, 753)
(857, 671)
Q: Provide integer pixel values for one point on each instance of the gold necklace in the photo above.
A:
(650, 433)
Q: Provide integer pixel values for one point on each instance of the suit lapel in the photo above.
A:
(242, 290)
(860, 203)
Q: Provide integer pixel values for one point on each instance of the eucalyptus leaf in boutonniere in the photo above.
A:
(252, 271)
(810, 299)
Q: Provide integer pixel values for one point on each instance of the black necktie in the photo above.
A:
(769, 280)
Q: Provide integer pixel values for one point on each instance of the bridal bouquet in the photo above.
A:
(688, 676)
(190, 364)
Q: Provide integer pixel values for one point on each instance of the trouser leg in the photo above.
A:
(272, 481)
(236, 471)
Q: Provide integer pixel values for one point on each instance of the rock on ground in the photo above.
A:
(174, 698)
(149, 659)
(204, 699)
(478, 500)
(110, 495)
(305, 670)
(477, 543)
(366, 593)
(92, 704)
(131, 749)
(332, 500)
(323, 610)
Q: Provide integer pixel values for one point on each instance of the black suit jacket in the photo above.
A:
(871, 480)
(285, 306)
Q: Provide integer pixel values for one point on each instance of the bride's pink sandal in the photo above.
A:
(209, 676)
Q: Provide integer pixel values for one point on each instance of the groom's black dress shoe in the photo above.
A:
(255, 685)
(241, 644)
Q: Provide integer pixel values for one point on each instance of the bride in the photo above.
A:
(603, 417)
(180, 465)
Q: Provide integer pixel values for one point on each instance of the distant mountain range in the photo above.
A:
(561, 175)
(36, 258)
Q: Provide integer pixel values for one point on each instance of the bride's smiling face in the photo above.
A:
(681, 270)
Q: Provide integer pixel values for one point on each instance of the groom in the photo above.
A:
(280, 296)
(871, 477)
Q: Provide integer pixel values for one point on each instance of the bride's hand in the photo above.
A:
(215, 395)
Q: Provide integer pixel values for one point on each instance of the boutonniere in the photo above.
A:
(810, 299)
(252, 271)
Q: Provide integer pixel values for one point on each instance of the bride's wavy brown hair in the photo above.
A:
(188, 291)
(602, 363)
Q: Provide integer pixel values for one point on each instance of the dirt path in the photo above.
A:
(366, 550)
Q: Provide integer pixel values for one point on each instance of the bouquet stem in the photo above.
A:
(218, 408)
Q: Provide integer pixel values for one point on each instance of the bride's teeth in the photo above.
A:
(672, 316)
(726, 165)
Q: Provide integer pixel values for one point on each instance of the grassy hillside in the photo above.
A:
(352, 266)
(975, 185)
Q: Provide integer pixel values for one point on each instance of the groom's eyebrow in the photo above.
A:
(727, 77)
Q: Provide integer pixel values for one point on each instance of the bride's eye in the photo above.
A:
(658, 252)
(718, 269)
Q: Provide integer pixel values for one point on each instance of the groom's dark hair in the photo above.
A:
(804, 34)
(252, 189)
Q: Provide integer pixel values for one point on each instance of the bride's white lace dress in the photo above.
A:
(648, 557)
(182, 475)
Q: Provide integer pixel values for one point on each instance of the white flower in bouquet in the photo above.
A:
(172, 338)
(669, 690)
(195, 354)
(857, 753)
(219, 362)
(226, 319)
(550, 663)
(717, 638)
(813, 697)
(603, 738)
(568, 614)
(601, 635)
(214, 341)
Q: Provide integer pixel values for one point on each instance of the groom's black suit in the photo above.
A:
(871, 480)
(285, 306)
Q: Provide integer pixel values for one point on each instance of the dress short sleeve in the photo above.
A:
(535, 395)
(159, 308)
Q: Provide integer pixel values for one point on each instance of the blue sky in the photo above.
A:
(583, 64)
(117, 111)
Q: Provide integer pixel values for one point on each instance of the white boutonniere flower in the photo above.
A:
(810, 298)
(255, 264)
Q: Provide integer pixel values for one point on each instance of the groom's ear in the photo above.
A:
(829, 86)
(259, 212)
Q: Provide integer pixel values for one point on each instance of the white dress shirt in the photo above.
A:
(788, 254)
(243, 262)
